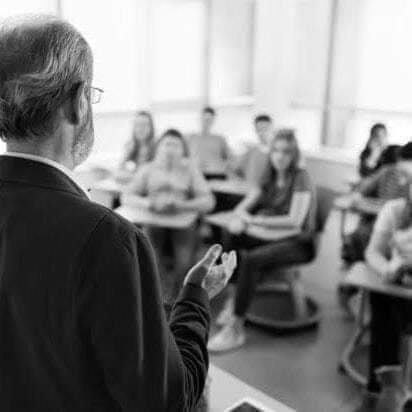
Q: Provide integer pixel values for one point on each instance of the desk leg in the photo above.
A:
(361, 328)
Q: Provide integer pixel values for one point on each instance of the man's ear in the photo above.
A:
(75, 106)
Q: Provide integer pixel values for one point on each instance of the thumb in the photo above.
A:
(200, 270)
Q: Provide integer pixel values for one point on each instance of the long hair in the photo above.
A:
(289, 136)
(135, 144)
(372, 136)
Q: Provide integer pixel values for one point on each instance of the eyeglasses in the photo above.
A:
(95, 94)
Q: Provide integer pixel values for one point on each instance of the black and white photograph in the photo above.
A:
(205, 206)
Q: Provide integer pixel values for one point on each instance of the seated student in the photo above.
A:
(369, 161)
(171, 183)
(385, 184)
(389, 251)
(139, 149)
(210, 150)
(287, 200)
(253, 165)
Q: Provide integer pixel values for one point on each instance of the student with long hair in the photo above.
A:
(389, 254)
(169, 184)
(287, 199)
(139, 149)
(369, 161)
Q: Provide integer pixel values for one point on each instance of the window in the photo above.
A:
(115, 33)
(194, 46)
(231, 49)
(371, 78)
(176, 49)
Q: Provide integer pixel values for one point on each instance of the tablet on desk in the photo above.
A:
(248, 405)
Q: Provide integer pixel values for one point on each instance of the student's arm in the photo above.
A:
(127, 156)
(202, 199)
(379, 248)
(135, 193)
(369, 185)
(299, 207)
(298, 211)
(249, 201)
(146, 364)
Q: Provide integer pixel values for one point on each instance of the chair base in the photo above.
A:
(276, 309)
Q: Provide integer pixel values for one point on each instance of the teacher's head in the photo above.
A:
(46, 72)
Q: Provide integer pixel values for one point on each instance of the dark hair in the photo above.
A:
(289, 136)
(209, 110)
(405, 152)
(375, 129)
(175, 133)
(390, 155)
(262, 118)
(372, 136)
(43, 60)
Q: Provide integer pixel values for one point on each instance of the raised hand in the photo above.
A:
(213, 278)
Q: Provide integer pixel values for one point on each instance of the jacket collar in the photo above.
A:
(32, 172)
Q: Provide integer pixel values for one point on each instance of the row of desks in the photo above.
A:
(225, 389)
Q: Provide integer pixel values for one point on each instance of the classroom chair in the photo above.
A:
(358, 340)
(282, 304)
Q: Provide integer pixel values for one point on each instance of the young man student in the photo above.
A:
(253, 165)
(210, 150)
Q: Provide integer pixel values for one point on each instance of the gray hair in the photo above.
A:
(42, 60)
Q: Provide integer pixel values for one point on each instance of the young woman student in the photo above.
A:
(139, 149)
(389, 254)
(369, 161)
(169, 184)
(287, 199)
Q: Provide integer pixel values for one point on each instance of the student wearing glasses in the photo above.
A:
(171, 183)
(286, 199)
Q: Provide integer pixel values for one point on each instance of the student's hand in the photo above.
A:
(237, 225)
(158, 204)
(213, 278)
(394, 267)
(354, 198)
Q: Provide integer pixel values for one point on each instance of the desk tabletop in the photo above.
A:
(363, 205)
(223, 219)
(226, 390)
(110, 185)
(230, 186)
(142, 216)
(362, 276)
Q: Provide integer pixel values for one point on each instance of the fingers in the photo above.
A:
(211, 256)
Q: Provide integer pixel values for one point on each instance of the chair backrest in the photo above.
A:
(325, 199)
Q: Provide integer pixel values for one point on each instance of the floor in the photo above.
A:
(301, 370)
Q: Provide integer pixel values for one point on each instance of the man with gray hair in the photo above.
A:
(82, 326)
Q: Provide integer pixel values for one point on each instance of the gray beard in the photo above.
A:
(83, 142)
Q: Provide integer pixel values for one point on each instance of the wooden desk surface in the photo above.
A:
(364, 205)
(230, 186)
(109, 185)
(226, 390)
(364, 277)
(146, 217)
(223, 219)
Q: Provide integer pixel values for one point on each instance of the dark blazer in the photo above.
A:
(81, 321)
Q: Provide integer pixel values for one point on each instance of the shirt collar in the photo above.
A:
(49, 162)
